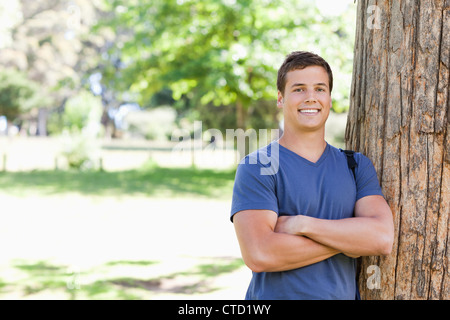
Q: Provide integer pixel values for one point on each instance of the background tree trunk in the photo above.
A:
(398, 117)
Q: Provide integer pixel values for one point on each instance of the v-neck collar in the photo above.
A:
(314, 164)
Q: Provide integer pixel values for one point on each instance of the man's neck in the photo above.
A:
(308, 145)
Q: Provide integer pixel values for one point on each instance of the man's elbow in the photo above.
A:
(386, 250)
(256, 267)
(385, 236)
(257, 262)
(386, 244)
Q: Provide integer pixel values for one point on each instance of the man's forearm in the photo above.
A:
(361, 236)
(358, 236)
(286, 252)
(265, 250)
(370, 232)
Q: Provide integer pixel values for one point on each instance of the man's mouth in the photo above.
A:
(309, 111)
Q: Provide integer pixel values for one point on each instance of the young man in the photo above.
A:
(301, 227)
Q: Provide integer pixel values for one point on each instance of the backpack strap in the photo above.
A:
(352, 164)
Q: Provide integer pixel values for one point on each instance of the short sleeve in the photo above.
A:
(253, 190)
(367, 183)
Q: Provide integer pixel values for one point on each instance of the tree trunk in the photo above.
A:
(240, 115)
(399, 118)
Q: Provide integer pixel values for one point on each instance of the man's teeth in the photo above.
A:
(309, 111)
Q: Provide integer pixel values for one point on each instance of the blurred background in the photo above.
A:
(104, 191)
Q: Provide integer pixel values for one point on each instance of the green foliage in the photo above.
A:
(79, 125)
(18, 94)
(81, 150)
(155, 124)
(82, 111)
(219, 52)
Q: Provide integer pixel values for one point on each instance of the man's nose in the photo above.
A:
(311, 98)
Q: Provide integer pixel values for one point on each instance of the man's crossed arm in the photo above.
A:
(269, 243)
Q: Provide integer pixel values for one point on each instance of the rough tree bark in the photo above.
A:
(399, 118)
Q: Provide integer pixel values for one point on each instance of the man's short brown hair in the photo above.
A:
(300, 60)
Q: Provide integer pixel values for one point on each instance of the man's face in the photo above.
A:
(307, 99)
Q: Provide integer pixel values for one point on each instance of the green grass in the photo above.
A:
(121, 279)
(151, 181)
(97, 283)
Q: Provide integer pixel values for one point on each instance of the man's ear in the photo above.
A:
(280, 100)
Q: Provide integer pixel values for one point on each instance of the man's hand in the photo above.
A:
(351, 255)
(294, 225)
(369, 233)
(265, 250)
(288, 224)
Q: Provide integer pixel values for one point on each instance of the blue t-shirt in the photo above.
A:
(275, 178)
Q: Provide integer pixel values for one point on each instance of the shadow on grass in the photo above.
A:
(154, 181)
(196, 280)
(41, 276)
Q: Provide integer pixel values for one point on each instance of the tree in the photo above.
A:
(399, 118)
(18, 94)
(217, 53)
(49, 41)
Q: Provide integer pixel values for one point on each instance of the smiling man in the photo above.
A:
(301, 228)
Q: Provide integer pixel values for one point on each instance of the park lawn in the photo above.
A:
(151, 181)
(118, 280)
(99, 216)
